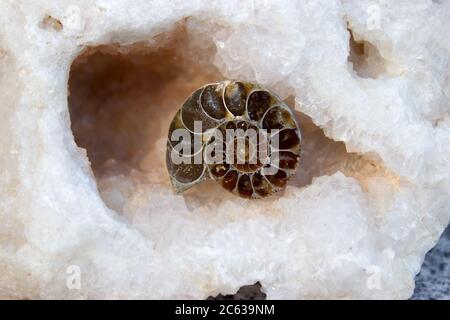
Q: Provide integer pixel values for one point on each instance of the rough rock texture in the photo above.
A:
(433, 281)
(87, 210)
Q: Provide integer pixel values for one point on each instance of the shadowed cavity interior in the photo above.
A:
(122, 100)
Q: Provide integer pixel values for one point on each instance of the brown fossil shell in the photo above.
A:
(238, 119)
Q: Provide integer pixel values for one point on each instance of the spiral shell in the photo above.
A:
(242, 128)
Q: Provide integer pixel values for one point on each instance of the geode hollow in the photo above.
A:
(88, 91)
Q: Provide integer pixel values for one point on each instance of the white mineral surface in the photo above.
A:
(87, 92)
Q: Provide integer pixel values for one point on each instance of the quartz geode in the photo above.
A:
(88, 91)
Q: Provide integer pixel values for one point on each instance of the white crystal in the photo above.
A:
(354, 223)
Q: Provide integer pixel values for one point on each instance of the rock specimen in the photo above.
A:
(88, 90)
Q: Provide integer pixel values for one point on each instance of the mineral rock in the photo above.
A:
(88, 89)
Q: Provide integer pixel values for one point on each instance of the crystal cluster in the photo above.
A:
(88, 90)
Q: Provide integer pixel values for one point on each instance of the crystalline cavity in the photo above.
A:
(84, 187)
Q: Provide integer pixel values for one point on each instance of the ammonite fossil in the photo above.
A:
(236, 133)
